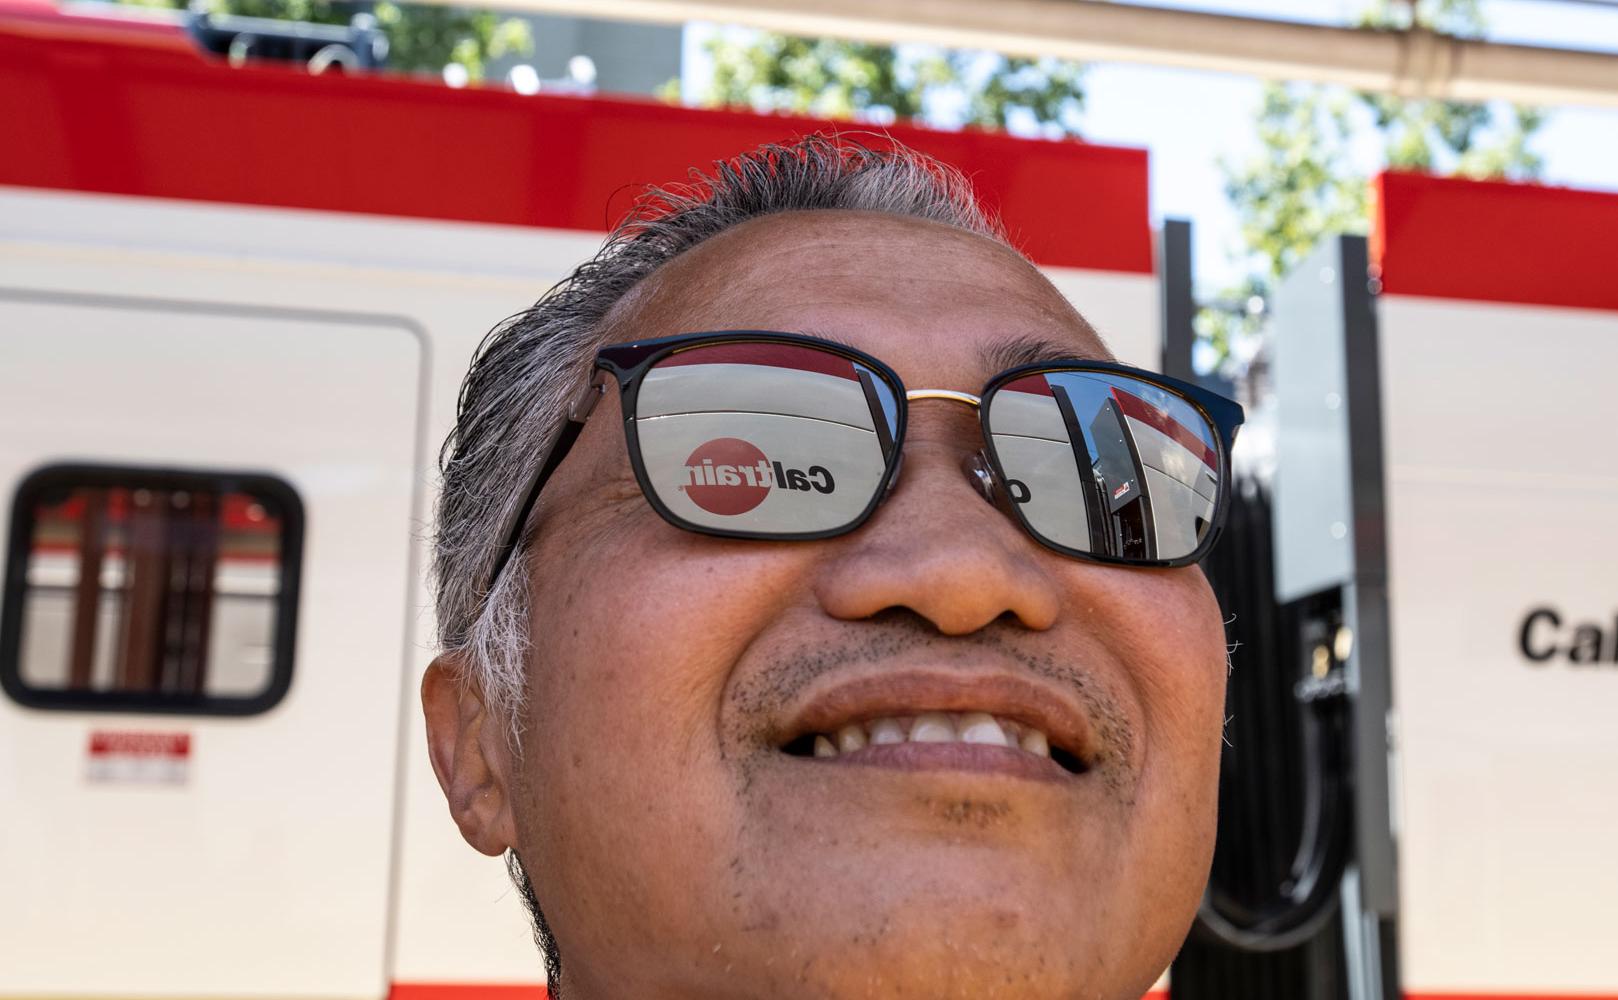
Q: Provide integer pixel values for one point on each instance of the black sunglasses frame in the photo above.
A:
(628, 363)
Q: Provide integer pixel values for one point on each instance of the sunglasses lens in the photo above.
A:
(1107, 464)
(776, 439)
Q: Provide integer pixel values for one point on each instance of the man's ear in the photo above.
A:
(469, 754)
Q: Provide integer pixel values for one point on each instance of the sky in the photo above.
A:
(1190, 120)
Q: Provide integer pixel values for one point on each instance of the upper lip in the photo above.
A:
(1032, 701)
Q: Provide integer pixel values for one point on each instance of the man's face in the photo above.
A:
(679, 850)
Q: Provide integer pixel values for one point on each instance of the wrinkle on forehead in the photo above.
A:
(832, 257)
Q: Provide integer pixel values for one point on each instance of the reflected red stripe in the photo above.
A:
(1034, 385)
(226, 556)
(508, 991)
(805, 359)
(1138, 409)
(236, 511)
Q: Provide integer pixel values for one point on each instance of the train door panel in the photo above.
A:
(198, 795)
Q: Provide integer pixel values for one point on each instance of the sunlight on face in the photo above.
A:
(681, 831)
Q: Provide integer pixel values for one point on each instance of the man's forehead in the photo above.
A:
(993, 354)
(865, 279)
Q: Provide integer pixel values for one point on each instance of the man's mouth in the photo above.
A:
(927, 720)
(865, 739)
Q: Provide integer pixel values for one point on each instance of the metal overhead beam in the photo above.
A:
(1414, 63)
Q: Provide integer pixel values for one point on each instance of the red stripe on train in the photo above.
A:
(468, 991)
(89, 111)
(1495, 241)
(507, 991)
(512, 991)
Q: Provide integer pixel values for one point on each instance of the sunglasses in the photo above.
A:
(756, 434)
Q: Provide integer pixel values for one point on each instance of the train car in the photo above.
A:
(1498, 326)
(236, 304)
(1444, 534)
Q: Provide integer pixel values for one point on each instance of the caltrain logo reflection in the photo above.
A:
(730, 476)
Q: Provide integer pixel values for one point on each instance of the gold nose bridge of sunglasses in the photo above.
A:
(979, 472)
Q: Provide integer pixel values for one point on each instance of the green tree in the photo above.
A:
(1304, 183)
(421, 38)
(840, 79)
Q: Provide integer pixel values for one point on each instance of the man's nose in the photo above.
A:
(935, 547)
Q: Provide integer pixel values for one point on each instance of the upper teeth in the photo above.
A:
(933, 727)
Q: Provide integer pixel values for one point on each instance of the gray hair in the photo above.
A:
(515, 395)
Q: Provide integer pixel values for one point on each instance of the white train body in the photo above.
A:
(1498, 325)
(298, 297)
(162, 309)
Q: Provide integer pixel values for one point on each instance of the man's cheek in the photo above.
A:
(640, 676)
(1180, 659)
(629, 715)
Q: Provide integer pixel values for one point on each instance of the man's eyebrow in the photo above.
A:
(1025, 351)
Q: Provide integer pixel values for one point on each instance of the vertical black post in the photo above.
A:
(1371, 663)
(1330, 568)
(1179, 305)
(1331, 536)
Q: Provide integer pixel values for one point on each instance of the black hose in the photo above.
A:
(1286, 792)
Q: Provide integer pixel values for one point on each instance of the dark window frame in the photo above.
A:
(80, 474)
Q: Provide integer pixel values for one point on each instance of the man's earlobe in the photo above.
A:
(468, 753)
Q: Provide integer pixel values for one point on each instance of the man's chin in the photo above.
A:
(952, 936)
(952, 881)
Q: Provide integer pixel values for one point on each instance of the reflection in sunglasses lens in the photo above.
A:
(1107, 464)
(773, 438)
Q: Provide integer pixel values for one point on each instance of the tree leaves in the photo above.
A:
(832, 78)
(1304, 182)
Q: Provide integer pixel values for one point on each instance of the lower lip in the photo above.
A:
(974, 757)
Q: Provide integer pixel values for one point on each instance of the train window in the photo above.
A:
(150, 590)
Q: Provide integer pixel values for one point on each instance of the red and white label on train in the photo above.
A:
(131, 757)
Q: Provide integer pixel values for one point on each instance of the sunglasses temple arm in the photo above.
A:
(578, 411)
